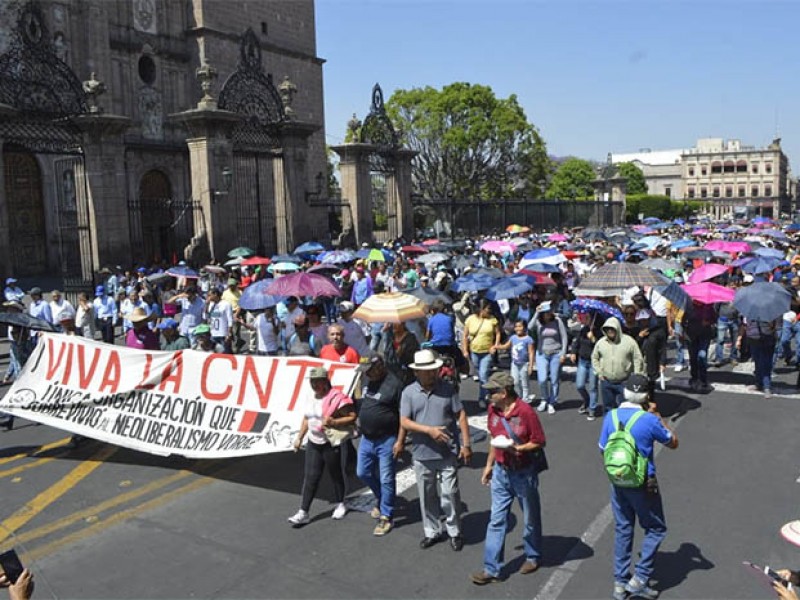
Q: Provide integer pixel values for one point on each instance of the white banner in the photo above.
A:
(190, 403)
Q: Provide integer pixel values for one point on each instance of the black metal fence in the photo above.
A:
(461, 218)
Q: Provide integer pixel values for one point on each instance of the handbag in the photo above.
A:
(538, 457)
(336, 436)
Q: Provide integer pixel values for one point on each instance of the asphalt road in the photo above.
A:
(104, 522)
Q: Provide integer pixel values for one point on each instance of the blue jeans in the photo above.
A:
(698, 359)
(790, 331)
(627, 504)
(548, 369)
(680, 345)
(506, 486)
(376, 335)
(586, 382)
(762, 361)
(612, 393)
(482, 362)
(14, 365)
(521, 377)
(376, 468)
(723, 328)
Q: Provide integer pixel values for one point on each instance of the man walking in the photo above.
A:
(431, 409)
(382, 438)
(615, 357)
(105, 311)
(642, 502)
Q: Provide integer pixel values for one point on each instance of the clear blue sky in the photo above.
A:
(593, 76)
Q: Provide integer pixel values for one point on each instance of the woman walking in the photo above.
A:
(551, 349)
(480, 341)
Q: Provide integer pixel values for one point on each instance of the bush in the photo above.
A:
(661, 207)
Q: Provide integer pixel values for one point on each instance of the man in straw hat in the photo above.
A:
(431, 410)
(140, 336)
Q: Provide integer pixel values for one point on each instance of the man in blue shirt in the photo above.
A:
(39, 309)
(644, 502)
(105, 311)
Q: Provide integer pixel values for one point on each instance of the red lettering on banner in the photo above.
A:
(67, 365)
(303, 364)
(148, 364)
(204, 377)
(339, 367)
(173, 373)
(250, 373)
(112, 374)
(52, 368)
(85, 376)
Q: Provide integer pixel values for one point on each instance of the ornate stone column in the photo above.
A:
(357, 189)
(398, 186)
(6, 113)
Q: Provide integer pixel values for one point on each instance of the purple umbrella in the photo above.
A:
(303, 284)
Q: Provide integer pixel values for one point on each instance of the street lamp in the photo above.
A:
(227, 180)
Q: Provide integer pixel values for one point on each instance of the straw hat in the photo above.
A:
(138, 315)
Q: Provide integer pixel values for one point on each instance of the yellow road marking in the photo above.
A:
(55, 491)
(37, 463)
(44, 448)
(46, 549)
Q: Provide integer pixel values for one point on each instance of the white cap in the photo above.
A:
(748, 278)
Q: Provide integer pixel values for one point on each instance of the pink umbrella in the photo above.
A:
(498, 246)
(430, 242)
(709, 293)
(700, 232)
(729, 247)
(706, 272)
(303, 284)
(557, 237)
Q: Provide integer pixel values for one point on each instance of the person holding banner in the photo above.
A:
(140, 336)
(173, 341)
(328, 412)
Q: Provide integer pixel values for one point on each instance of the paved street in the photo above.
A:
(102, 522)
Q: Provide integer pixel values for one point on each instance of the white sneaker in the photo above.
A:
(542, 406)
(474, 378)
(678, 368)
(299, 518)
(339, 512)
(551, 410)
(531, 398)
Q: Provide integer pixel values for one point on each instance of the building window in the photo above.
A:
(754, 168)
(263, 28)
(741, 166)
(715, 192)
(691, 171)
(716, 167)
(729, 166)
(754, 192)
(768, 168)
(668, 192)
(741, 191)
(704, 170)
(704, 192)
(768, 190)
(729, 191)
(691, 191)
(147, 70)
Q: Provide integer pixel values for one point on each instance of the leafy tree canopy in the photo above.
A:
(573, 178)
(470, 143)
(635, 177)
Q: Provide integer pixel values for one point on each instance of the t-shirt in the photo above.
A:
(519, 348)
(220, 318)
(266, 338)
(191, 314)
(314, 412)
(550, 341)
(232, 297)
(647, 430)
(345, 355)
(525, 424)
(440, 327)
(379, 413)
(481, 332)
(144, 339)
(436, 408)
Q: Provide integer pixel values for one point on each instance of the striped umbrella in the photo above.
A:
(390, 307)
(622, 276)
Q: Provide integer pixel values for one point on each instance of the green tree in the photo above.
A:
(470, 143)
(635, 177)
(573, 178)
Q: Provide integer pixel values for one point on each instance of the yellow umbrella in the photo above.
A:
(517, 229)
(390, 307)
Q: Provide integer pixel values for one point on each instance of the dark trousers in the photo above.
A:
(107, 330)
(317, 456)
(698, 359)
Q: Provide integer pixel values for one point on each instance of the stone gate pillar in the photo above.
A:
(293, 213)
(398, 186)
(356, 189)
(6, 112)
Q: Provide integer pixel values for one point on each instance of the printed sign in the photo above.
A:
(194, 404)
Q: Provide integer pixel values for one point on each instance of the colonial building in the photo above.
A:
(725, 173)
(139, 131)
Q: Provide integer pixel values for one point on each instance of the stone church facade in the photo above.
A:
(142, 131)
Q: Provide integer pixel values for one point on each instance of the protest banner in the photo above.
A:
(190, 403)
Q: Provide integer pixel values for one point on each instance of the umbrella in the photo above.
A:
(509, 287)
(21, 319)
(472, 283)
(283, 267)
(462, 262)
(500, 246)
(774, 233)
(431, 242)
(761, 264)
(697, 253)
(732, 229)
(309, 248)
(557, 237)
(649, 220)
(490, 271)
(324, 269)
(793, 227)
(762, 301)
(740, 262)
(234, 262)
(414, 249)
(660, 264)
(594, 235)
(759, 220)
(279, 258)
(432, 258)
(678, 244)
(536, 278)
(337, 257)
(241, 251)
(701, 231)
(390, 307)
(709, 293)
(255, 260)
(376, 255)
(650, 241)
(538, 267)
(590, 305)
(214, 269)
(428, 295)
(256, 297)
(623, 276)
(550, 256)
(303, 284)
(730, 247)
(770, 253)
(707, 272)
(675, 294)
(180, 271)
(160, 276)
(517, 229)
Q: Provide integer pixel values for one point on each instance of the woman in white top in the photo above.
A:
(267, 328)
(84, 317)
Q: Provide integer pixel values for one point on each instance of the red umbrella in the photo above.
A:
(538, 278)
(414, 248)
(303, 284)
(430, 242)
(256, 260)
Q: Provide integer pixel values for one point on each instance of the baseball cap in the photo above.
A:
(233, 281)
(35, 291)
(499, 381)
(202, 329)
(367, 362)
(141, 270)
(99, 290)
(10, 280)
(318, 373)
(636, 388)
(168, 324)
(346, 307)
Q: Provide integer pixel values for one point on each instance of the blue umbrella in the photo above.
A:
(286, 258)
(770, 253)
(363, 253)
(309, 248)
(731, 229)
(740, 262)
(181, 271)
(650, 241)
(649, 220)
(337, 257)
(774, 233)
(472, 283)
(541, 253)
(590, 305)
(254, 296)
(793, 227)
(542, 268)
(678, 244)
(761, 264)
(679, 222)
(762, 301)
(661, 225)
(510, 287)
